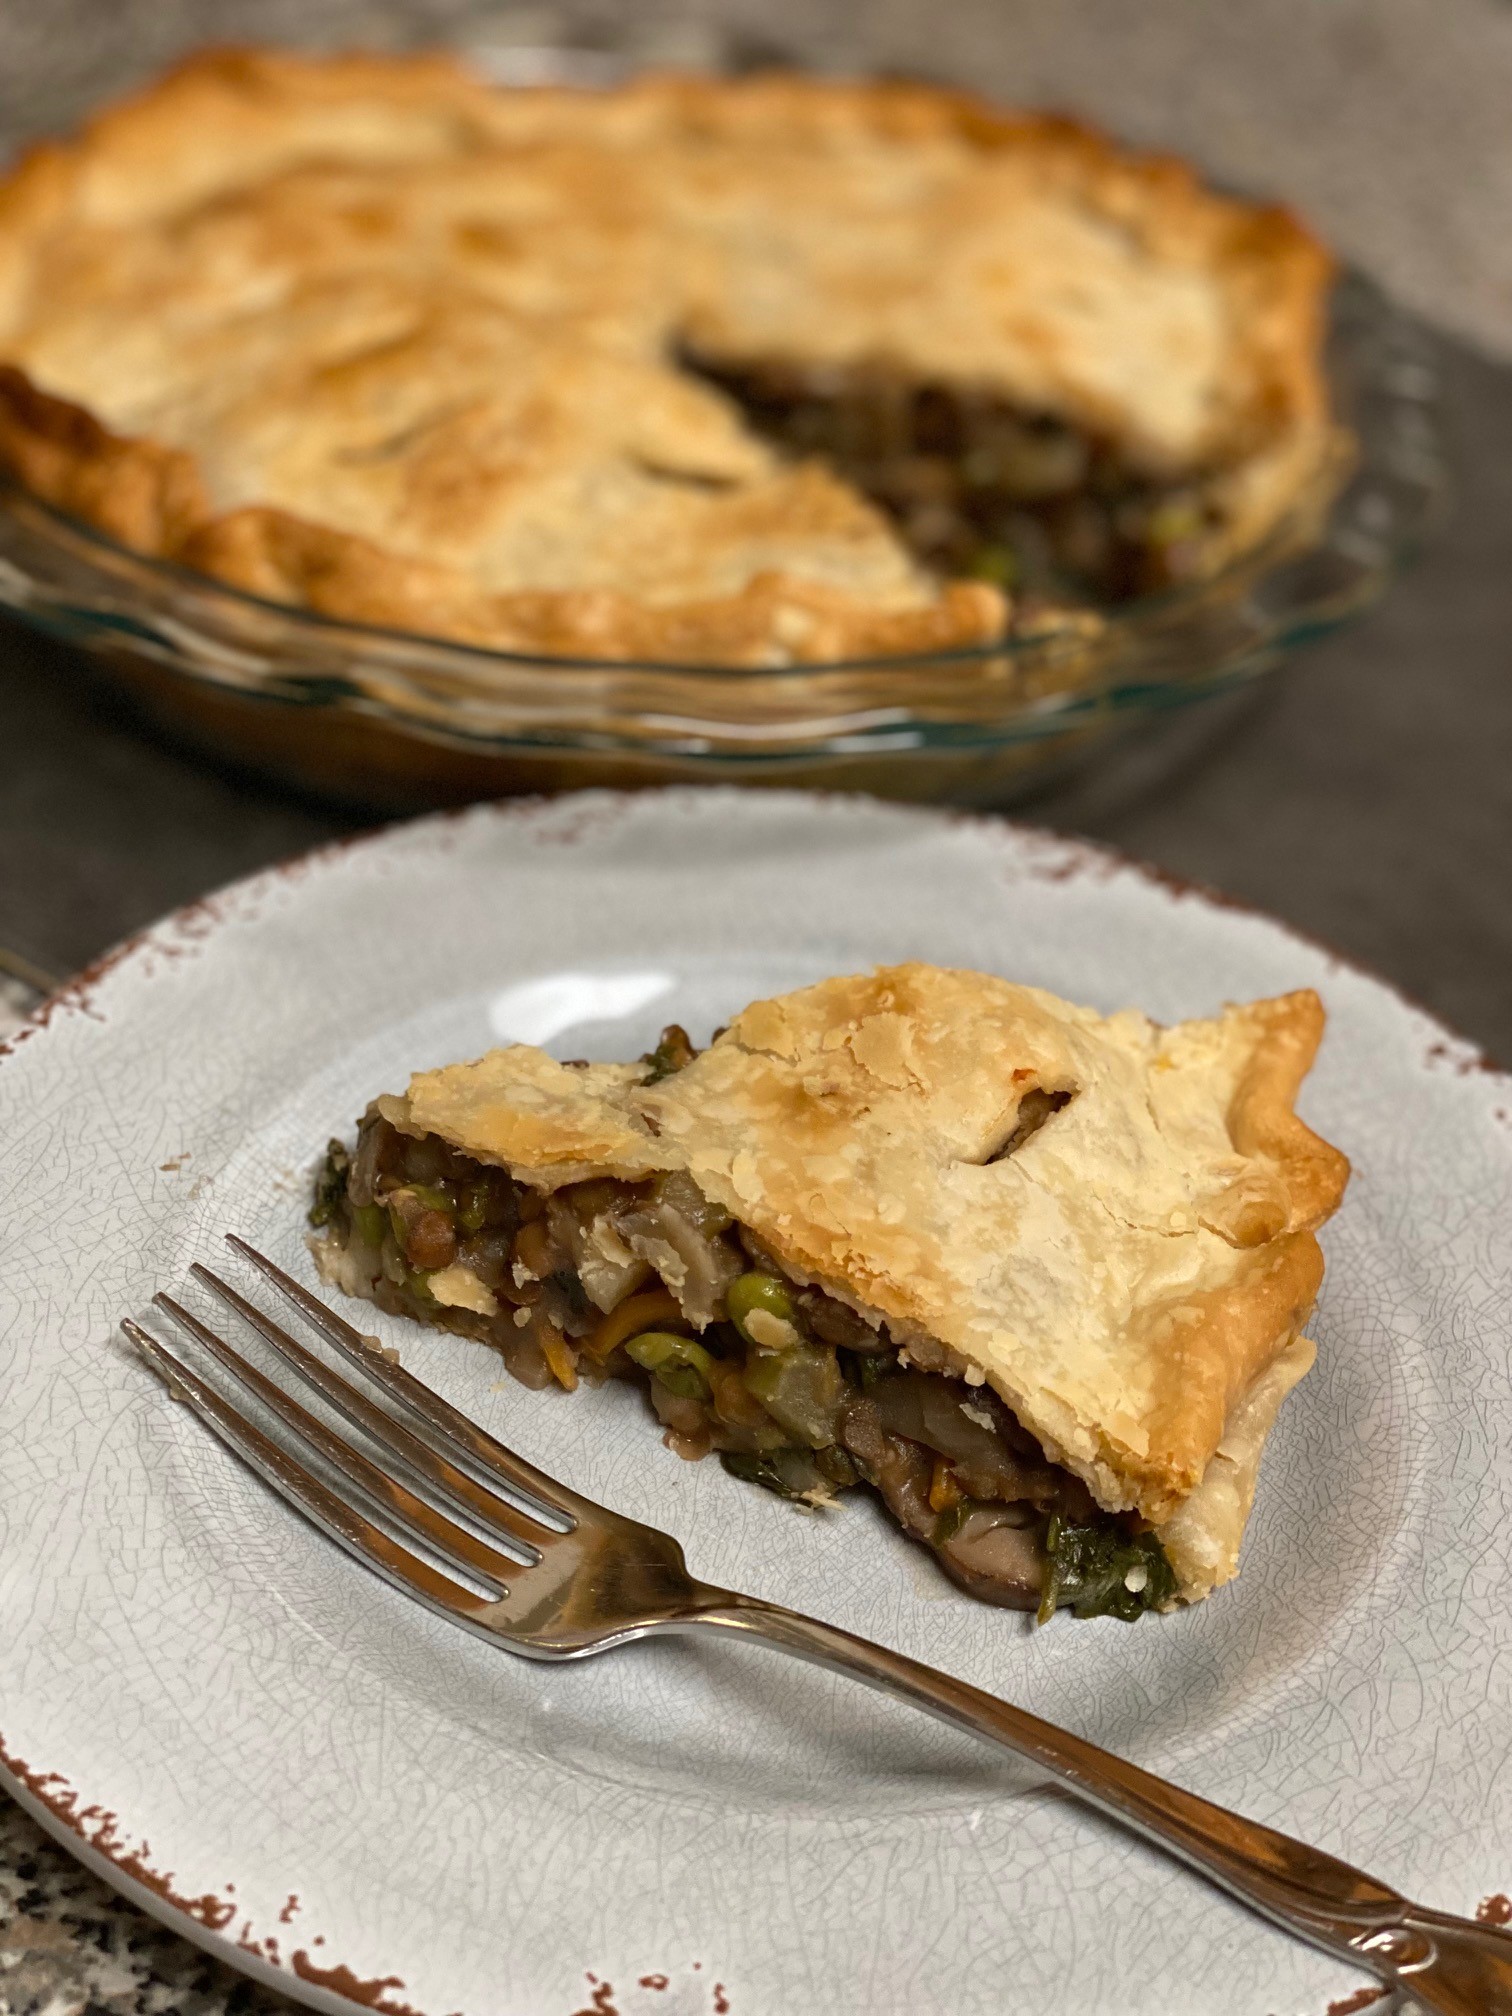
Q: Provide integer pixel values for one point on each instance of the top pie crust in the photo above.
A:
(367, 334)
(1132, 1279)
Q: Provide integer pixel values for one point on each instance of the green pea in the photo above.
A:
(751, 1293)
(427, 1196)
(681, 1364)
(472, 1213)
(997, 564)
(371, 1222)
(1177, 519)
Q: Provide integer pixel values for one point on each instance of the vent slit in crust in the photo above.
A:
(1036, 1107)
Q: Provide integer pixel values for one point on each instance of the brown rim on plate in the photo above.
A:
(60, 1806)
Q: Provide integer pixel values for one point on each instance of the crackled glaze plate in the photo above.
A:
(350, 1798)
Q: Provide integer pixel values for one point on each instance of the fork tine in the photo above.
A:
(501, 1516)
(419, 1520)
(436, 1413)
(366, 1542)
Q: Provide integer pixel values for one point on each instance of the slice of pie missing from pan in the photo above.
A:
(1036, 1275)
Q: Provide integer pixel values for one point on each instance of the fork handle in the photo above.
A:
(1454, 1966)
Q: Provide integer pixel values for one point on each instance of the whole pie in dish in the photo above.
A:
(1035, 1275)
(741, 372)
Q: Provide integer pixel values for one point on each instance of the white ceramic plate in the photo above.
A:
(344, 1793)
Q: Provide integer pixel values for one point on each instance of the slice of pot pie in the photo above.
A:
(1036, 1275)
(746, 371)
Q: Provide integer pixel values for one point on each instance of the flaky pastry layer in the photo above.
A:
(366, 334)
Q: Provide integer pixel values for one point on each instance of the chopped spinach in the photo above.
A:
(836, 1468)
(952, 1519)
(1104, 1571)
(568, 1281)
(673, 1051)
(790, 1473)
(330, 1184)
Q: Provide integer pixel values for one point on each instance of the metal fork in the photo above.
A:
(560, 1577)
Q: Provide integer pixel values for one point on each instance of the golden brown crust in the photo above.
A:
(1203, 1536)
(773, 618)
(522, 1110)
(1262, 1120)
(1206, 1348)
(1107, 1275)
(145, 495)
(233, 340)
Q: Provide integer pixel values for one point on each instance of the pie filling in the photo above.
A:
(795, 1391)
(978, 487)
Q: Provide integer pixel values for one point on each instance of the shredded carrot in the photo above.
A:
(654, 1310)
(943, 1488)
(558, 1354)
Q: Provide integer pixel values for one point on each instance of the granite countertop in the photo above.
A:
(69, 1945)
(1364, 795)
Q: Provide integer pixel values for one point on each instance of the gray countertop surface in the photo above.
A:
(1365, 795)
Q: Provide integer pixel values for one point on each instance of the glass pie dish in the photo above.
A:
(390, 720)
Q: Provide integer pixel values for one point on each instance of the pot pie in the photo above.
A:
(743, 372)
(1035, 1275)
